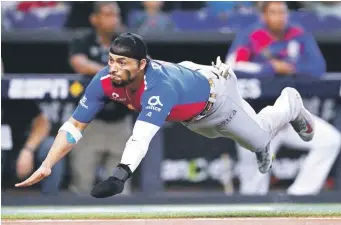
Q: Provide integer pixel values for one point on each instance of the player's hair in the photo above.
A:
(97, 6)
(130, 45)
(263, 6)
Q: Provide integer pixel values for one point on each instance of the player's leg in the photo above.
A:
(324, 149)
(237, 120)
(85, 158)
(232, 117)
(289, 108)
(252, 182)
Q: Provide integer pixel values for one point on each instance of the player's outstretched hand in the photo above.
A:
(114, 184)
(37, 176)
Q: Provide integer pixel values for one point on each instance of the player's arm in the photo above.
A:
(311, 63)
(68, 136)
(70, 132)
(239, 58)
(156, 105)
(79, 60)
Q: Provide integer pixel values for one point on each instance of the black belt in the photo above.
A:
(209, 103)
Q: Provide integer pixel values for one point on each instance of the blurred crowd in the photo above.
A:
(159, 15)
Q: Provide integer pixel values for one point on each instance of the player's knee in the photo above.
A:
(289, 89)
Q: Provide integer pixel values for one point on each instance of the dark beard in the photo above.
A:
(125, 82)
(122, 84)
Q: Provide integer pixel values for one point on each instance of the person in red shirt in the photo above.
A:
(275, 46)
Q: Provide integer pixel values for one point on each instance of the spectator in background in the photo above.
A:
(275, 47)
(112, 127)
(152, 18)
(22, 136)
(80, 12)
(224, 8)
(89, 54)
(5, 8)
(327, 8)
(34, 14)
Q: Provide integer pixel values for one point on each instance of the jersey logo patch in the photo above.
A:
(153, 102)
(116, 97)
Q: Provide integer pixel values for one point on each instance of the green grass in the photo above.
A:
(172, 211)
(169, 215)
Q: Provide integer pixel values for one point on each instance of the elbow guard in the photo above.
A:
(73, 135)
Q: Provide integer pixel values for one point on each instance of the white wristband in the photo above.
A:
(71, 129)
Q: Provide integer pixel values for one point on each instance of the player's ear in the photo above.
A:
(143, 63)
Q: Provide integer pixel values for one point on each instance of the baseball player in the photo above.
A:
(323, 151)
(203, 98)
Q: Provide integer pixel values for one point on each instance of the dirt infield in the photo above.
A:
(202, 221)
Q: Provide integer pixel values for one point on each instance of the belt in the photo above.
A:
(209, 104)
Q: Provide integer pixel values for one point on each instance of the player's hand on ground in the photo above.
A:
(222, 68)
(38, 175)
(24, 164)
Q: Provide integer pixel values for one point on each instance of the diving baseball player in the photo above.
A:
(203, 98)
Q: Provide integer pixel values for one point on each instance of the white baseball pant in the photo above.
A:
(232, 117)
(324, 149)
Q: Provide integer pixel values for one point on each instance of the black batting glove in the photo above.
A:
(114, 184)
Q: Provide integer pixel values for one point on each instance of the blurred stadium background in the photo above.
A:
(38, 43)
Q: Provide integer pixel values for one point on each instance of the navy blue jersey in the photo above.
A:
(170, 92)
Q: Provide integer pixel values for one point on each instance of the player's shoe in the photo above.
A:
(265, 159)
(304, 123)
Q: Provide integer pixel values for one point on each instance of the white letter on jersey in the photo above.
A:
(83, 101)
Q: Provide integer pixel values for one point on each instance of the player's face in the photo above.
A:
(156, 5)
(123, 70)
(276, 16)
(108, 19)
